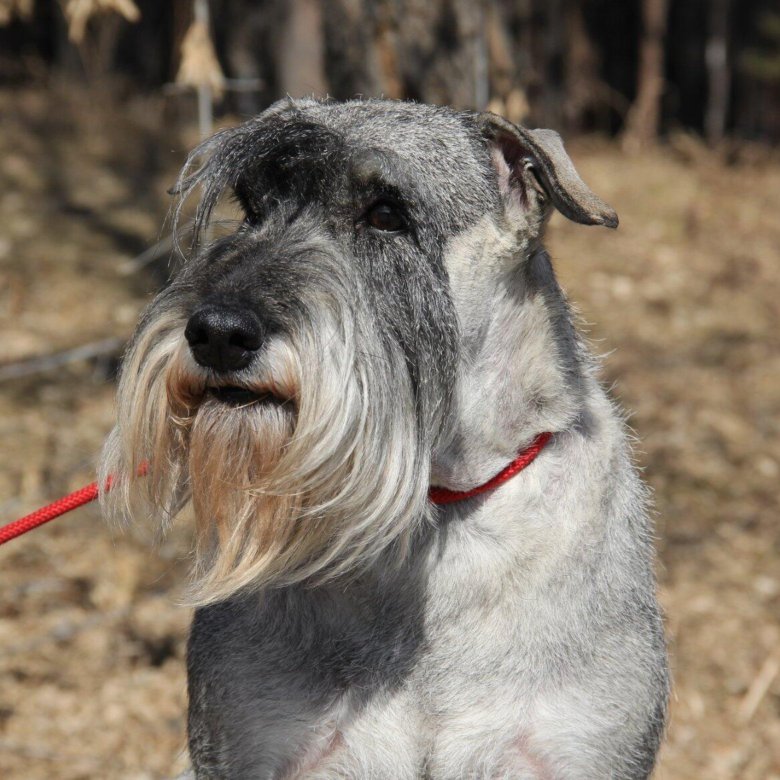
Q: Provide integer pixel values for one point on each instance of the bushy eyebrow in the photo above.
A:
(376, 172)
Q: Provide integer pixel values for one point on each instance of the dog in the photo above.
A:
(335, 386)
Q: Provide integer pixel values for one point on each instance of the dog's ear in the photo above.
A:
(519, 152)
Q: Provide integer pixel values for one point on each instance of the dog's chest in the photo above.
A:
(439, 676)
(466, 707)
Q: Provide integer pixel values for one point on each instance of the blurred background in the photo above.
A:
(671, 110)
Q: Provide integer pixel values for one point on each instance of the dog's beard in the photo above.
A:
(315, 477)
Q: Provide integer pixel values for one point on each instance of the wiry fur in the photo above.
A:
(352, 630)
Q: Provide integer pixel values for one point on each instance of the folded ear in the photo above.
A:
(541, 153)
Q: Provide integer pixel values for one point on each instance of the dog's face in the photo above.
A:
(295, 376)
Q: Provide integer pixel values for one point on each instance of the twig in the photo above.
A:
(758, 688)
(162, 247)
(156, 251)
(231, 85)
(40, 364)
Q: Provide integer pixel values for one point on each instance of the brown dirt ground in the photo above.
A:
(684, 302)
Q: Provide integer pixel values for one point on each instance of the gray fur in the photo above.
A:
(519, 634)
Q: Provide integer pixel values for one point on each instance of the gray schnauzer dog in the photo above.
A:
(333, 387)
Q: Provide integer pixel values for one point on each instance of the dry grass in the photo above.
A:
(684, 298)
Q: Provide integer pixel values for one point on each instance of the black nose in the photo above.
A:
(224, 338)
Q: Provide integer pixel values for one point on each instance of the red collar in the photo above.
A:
(440, 496)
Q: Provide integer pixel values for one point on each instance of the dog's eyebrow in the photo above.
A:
(378, 169)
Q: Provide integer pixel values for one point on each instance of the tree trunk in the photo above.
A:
(352, 63)
(441, 55)
(718, 72)
(301, 69)
(644, 116)
(554, 54)
(582, 70)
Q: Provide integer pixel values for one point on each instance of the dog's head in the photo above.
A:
(293, 379)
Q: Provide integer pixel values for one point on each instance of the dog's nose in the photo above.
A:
(224, 338)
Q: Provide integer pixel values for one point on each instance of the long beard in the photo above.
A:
(312, 488)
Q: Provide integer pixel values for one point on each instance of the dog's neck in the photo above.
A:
(525, 372)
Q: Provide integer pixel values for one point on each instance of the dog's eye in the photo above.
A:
(385, 216)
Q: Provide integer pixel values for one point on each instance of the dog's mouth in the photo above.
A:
(234, 395)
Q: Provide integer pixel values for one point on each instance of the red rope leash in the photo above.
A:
(51, 511)
(45, 514)
(525, 458)
(437, 495)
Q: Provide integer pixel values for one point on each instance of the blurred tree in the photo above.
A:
(507, 90)
(10, 9)
(301, 54)
(358, 60)
(80, 12)
(441, 50)
(643, 121)
(200, 68)
(584, 88)
(718, 71)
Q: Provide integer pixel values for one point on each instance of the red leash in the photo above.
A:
(437, 495)
(59, 507)
(45, 514)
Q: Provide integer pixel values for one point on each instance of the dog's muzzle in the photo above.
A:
(224, 338)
